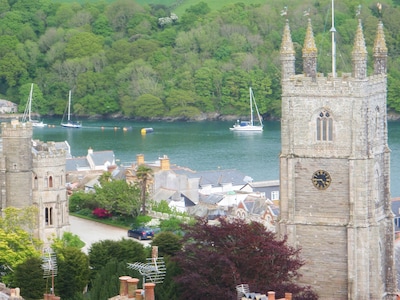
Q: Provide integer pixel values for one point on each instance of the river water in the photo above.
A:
(200, 146)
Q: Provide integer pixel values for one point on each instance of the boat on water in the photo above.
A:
(28, 110)
(250, 125)
(69, 123)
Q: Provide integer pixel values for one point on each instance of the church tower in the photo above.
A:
(335, 172)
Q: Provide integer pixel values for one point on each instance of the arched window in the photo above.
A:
(324, 126)
(48, 216)
(51, 181)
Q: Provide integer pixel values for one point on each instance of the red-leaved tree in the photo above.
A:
(217, 258)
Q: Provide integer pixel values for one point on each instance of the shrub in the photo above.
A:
(101, 213)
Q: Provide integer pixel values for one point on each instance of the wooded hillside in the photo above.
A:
(147, 62)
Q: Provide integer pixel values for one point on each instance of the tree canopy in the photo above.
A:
(232, 253)
(16, 240)
(145, 61)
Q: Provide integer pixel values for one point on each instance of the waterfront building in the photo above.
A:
(335, 171)
(32, 173)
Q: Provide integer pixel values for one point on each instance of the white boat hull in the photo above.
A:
(71, 125)
(38, 124)
(249, 125)
(246, 128)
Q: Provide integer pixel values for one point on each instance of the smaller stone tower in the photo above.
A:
(17, 168)
(33, 173)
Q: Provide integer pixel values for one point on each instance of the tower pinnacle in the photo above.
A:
(380, 51)
(359, 54)
(287, 53)
(309, 53)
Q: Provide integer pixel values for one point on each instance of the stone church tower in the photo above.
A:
(33, 173)
(335, 172)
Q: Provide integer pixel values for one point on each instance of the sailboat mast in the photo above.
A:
(251, 106)
(69, 105)
(333, 31)
(30, 103)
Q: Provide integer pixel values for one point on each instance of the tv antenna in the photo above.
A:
(49, 266)
(153, 270)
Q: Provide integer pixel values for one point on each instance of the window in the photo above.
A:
(275, 195)
(397, 222)
(50, 181)
(324, 126)
(48, 216)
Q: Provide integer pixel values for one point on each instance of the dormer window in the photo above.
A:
(324, 126)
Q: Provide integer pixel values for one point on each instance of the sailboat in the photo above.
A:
(28, 110)
(249, 125)
(69, 123)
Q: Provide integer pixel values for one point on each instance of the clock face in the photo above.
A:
(321, 179)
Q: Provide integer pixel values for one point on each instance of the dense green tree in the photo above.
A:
(167, 242)
(107, 284)
(125, 250)
(29, 278)
(101, 26)
(147, 106)
(72, 272)
(8, 43)
(83, 44)
(120, 12)
(118, 197)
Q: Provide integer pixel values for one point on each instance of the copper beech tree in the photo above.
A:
(216, 258)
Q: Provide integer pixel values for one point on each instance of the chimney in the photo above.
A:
(123, 288)
(149, 291)
(271, 295)
(139, 294)
(140, 159)
(132, 287)
(90, 151)
(164, 161)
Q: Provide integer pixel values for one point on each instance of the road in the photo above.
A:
(91, 232)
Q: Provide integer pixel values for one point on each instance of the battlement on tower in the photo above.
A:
(46, 154)
(329, 85)
(16, 129)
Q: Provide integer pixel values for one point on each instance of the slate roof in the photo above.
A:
(215, 178)
(101, 157)
(72, 164)
(212, 199)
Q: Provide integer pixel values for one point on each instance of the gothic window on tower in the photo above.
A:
(48, 216)
(324, 126)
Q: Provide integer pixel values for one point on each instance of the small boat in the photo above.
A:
(143, 131)
(69, 123)
(28, 110)
(249, 125)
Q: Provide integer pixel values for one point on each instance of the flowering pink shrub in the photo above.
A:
(101, 213)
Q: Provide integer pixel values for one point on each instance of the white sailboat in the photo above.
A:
(69, 123)
(249, 125)
(28, 110)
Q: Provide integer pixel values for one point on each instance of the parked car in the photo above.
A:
(141, 233)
